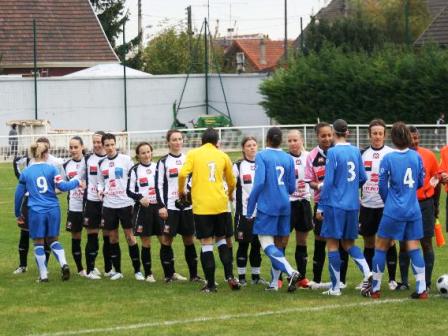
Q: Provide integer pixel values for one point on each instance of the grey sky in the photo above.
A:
(251, 16)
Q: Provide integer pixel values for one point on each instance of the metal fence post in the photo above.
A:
(129, 143)
(263, 137)
(305, 140)
(357, 135)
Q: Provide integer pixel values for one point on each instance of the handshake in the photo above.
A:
(183, 202)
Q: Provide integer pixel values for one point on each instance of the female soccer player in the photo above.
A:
(175, 220)
(401, 174)
(40, 180)
(244, 171)
(142, 189)
(273, 183)
(76, 168)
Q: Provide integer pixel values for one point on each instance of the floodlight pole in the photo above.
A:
(206, 64)
(124, 80)
(286, 31)
(35, 67)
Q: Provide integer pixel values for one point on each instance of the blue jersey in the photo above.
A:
(40, 180)
(344, 175)
(401, 174)
(274, 181)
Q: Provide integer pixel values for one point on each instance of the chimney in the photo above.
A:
(263, 51)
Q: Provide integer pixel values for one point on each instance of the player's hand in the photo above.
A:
(101, 195)
(145, 202)
(182, 195)
(444, 177)
(250, 219)
(231, 197)
(163, 213)
(20, 220)
(319, 215)
(82, 184)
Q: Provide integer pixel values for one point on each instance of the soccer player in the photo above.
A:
(141, 188)
(371, 203)
(301, 215)
(273, 183)
(76, 168)
(244, 171)
(117, 206)
(339, 205)
(40, 180)
(19, 164)
(401, 174)
(175, 220)
(93, 210)
(209, 166)
(314, 175)
(443, 171)
(428, 196)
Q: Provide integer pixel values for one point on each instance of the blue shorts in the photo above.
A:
(400, 230)
(44, 224)
(339, 223)
(267, 225)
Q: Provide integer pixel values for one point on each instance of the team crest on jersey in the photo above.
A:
(93, 170)
(149, 171)
(374, 177)
(247, 179)
(143, 181)
(105, 173)
(376, 155)
(321, 160)
(252, 167)
(118, 172)
(72, 174)
(111, 164)
(298, 162)
(179, 162)
(368, 165)
(173, 172)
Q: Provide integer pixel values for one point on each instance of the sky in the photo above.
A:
(245, 16)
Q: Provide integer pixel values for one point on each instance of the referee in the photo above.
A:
(209, 166)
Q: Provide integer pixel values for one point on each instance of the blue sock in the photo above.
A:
(358, 257)
(39, 253)
(58, 252)
(278, 259)
(275, 275)
(334, 266)
(418, 267)
(378, 265)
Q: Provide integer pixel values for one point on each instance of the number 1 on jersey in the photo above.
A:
(212, 170)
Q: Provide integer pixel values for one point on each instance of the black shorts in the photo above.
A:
(179, 222)
(112, 217)
(428, 218)
(243, 229)
(146, 221)
(24, 213)
(92, 215)
(317, 223)
(74, 221)
(301, 217)
(229, 225)
(369, 220)
(208, 226)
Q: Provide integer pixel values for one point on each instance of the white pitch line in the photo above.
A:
(223, 317)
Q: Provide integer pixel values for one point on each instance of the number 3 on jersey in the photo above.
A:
(281, 172)
(351, 171)
(408, 180)
(42, 184)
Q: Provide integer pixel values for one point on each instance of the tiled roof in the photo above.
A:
(436, 6)
(251, 48)
(437, 31)
(334, 10)
(68, 34)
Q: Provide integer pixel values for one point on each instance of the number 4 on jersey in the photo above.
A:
(408, 178)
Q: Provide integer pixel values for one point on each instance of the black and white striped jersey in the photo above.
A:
(75, 169)
(142, 182)
(302, 187)
(92, 161)
(244, 171)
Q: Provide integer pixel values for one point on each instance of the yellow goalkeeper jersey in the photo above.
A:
(208, 166)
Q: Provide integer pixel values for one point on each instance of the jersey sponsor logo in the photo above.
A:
(105, 173)
(143, 181)
(112, 183)
(368, 165)
(72, 174)
(118, 172)
(93, 170)
(320, 173)
(173, 172)
(374, 177)
(247, 179)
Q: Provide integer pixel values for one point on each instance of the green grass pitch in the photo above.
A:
(125, 307)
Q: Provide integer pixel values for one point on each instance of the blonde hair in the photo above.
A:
(38, 150)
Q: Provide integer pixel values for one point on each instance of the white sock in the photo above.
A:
(58, 252)
(39, 253)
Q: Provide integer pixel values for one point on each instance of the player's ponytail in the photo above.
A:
(400, 135)
(38, 150)
(274, 137)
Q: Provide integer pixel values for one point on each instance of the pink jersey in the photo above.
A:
(315, 169)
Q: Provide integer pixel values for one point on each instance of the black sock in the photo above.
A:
(301, 260)
(77, 254)
(344, 264)
(115, 256)
(24, 246)
(368, 254)
(255, 253)
(429, 265)
(318, 260)
(191, 258)
(404, 267)
(146, 260)
(208, 265)
(47, 250)
(225, 255)
(391, 259)
(106, 254)
(241, 254)
(91, 251)
(165, 258)
(134, 253)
